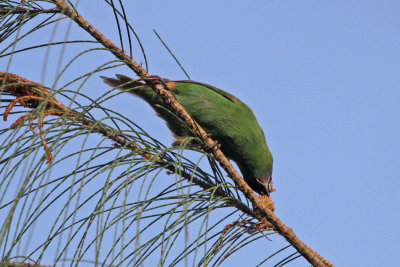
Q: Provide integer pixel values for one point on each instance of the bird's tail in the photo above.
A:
(122, 82)
(134, 87)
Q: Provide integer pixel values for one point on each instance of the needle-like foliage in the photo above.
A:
(83, 183)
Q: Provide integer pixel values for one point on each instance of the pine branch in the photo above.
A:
(262, 210)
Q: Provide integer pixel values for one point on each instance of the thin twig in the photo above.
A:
(21, 264)
(20, 10)
(172, 54)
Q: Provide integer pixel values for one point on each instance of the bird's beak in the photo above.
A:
(270, 186)
(267, 184)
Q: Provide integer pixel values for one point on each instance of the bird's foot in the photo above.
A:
(153, 79)
(180, 144)
(193, 143)
(183, 141)
(214, 145)
(209, 135)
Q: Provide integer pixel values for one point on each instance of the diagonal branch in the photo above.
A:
(261, 210)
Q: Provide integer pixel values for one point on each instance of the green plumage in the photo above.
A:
(226, 118)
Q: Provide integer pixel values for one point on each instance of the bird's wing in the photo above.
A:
(215, 89)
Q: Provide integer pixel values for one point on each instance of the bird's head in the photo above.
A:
(265, 180)
(257, 172)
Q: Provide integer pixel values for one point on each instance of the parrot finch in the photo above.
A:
(229, 121)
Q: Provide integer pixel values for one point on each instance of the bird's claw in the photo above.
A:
(213, 146)
(208, 135)
(153, 78)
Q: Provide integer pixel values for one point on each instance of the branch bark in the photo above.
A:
(261, 210)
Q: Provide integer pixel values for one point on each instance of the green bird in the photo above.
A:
(229, 121)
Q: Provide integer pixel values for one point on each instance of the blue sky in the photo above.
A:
(322, 78)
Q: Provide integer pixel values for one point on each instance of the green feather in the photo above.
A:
(230, 121)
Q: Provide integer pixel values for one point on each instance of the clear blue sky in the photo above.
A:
(322, 78)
